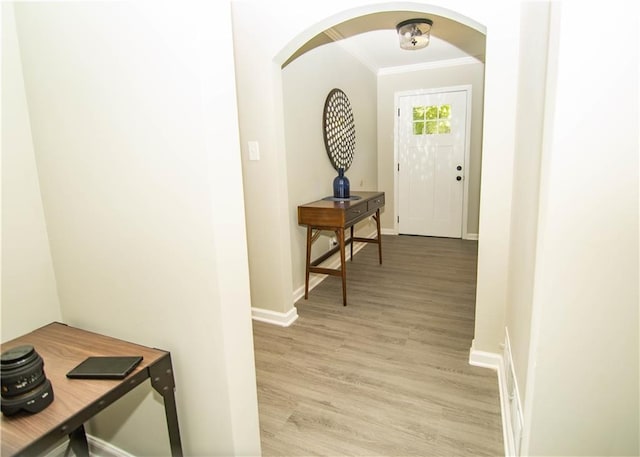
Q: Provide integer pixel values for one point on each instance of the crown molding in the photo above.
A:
(339, 39)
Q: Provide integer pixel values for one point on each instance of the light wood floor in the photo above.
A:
(387, 375)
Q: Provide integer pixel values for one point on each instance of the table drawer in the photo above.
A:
(355, 212)
(375, 203)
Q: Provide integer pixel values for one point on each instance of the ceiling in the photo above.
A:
(373, 40)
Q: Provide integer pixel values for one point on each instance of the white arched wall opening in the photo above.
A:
(420, 8)
(311, 66)
(284, 27)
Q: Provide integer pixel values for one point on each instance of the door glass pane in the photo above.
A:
(437, 119)
(432, 127)
(444, 126)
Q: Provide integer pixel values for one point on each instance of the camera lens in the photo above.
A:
(24, 385)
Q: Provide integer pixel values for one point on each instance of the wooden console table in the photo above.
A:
(77, 400)
(337, 216)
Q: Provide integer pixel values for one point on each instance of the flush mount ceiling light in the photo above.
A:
(414, 33)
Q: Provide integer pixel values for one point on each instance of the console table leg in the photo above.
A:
(162, 381)
(78, 442)
(306, 274)
(343, 265)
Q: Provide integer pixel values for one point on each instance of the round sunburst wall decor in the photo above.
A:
(339, 129)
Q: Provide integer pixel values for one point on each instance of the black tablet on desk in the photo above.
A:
(116, 367)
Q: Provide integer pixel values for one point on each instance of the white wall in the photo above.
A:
(501, 76)
(526, 184)
(306, 83)
(265, 181)
(454, 75)
(582, 391)
(135, 136)
(29, 295)
(290, 24)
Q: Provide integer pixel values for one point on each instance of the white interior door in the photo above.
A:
(432, 131)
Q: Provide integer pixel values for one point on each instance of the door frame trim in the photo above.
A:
(467, 151)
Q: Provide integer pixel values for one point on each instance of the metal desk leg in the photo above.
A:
(78, 442)
(162, 381)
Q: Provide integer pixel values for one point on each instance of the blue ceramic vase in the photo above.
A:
(341, 185)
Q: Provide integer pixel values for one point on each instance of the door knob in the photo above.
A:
(458, 178)
(459, 167)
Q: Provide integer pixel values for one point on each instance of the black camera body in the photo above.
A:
(24, 385)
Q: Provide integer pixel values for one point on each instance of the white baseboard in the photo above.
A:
(274, 317)
(494, 361)
(332, 262)
(485, 359)
(100, 448)
(510, 405)
(465, 236)
(97, 448)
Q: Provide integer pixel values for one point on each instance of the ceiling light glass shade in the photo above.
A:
(414, 33)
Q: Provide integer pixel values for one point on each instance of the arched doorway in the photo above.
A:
(347, 55)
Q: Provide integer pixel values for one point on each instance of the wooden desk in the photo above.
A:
(338, 216)
(77, 400)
